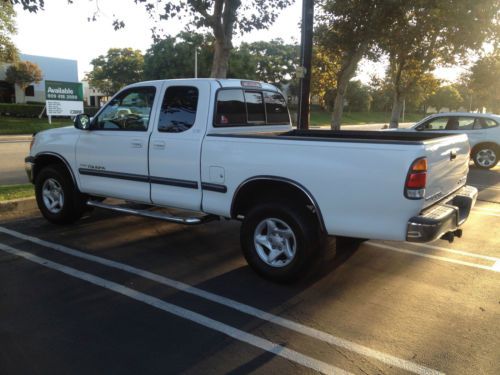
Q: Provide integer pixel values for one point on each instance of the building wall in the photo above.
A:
(53, 69)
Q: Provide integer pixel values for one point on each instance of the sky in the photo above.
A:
(62, 30)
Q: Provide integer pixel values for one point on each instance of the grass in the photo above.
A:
(18, 125)
(319, 118)
(8, 192)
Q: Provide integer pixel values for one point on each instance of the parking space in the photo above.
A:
(120, 294)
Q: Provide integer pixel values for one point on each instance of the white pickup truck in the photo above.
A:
(226, 149)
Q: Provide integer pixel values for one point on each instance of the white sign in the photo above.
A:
(63, 98)
(63, 108)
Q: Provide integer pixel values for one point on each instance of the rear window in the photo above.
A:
(237, 107)
(277, 111)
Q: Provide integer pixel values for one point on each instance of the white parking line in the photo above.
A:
(476, 207)
(436, 257)
(486, 187)
(183, 313)
(263, 315)
(487, 213)
(453, 251)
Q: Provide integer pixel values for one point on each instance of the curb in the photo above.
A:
(18, 205)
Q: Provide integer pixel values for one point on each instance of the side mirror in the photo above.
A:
(420, 127)
(82, 122)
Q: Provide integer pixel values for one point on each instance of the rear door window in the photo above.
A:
(466, 123)
(178, 109)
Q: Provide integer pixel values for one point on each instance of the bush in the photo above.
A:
(33, 110)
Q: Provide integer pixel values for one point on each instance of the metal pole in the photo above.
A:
(306, 64)
(196, 63)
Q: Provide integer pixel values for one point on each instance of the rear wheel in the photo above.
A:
(279, 241)
(57, 197)
(486, 156)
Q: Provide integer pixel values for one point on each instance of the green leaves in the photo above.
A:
(8, 51)
(118, 68)
(23, 73)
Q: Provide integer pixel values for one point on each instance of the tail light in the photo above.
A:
(416, 179)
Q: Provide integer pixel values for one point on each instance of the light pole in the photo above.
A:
(195, 62)
(306, 46)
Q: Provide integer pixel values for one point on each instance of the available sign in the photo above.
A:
(63, 98)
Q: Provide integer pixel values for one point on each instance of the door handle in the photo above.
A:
(136, 143)
(159, 145)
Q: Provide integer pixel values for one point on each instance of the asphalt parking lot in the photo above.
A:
(120, 294)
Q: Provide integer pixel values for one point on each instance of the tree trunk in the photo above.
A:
(397, 108)
(338, 104)
(220, 62)
(347, 70)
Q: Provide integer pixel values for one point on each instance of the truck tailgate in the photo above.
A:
(448, 165)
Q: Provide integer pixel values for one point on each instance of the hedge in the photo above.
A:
(32, 110)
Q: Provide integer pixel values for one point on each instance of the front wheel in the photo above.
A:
(486, 156)
(57, 197)
(279, 241)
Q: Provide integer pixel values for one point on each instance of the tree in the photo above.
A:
(483, 83)
(445, 97)
(23, 74)
(276, 61)
(381, 92)
(8, 51)
(358, 97)
(433, 32)
(351, 29)
(173, 57)
(120, 67)
(325, 67)
(223, 17)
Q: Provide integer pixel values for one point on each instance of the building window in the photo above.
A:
(29, 91)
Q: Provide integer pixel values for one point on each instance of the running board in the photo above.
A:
(155, 215)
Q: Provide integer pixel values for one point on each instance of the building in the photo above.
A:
(92, 96)
(53, 69)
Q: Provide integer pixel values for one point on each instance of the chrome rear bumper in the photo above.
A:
(442, 219)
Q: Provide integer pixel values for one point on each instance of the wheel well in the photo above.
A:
(259, 190)
(482, 144)
(42, 161)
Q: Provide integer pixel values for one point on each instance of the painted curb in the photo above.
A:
(18, 205)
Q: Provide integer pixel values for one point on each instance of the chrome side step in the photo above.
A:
(155, 215)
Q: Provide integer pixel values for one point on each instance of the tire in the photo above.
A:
(57, 197)
(485, 156)
(296, 237)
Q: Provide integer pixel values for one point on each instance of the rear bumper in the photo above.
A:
(443, 217)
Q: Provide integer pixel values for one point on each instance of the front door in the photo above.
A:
(112, 157)
(176, 140)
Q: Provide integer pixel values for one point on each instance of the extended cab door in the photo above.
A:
(175, 148)
(112, 157)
